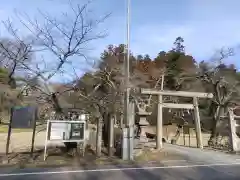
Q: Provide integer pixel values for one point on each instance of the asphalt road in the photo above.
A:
(189, 172)
(197, 165)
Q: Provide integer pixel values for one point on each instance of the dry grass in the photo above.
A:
(4, 129)
(57, 157)
(148, 155)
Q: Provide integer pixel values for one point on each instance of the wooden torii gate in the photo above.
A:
(161, 105)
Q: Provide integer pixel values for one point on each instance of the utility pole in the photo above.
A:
(126, 148)
(126, 68)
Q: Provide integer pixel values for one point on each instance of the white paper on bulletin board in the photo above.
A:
(59, 131)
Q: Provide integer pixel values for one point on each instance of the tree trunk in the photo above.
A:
(213, 138)
(216, 123)
(56, 104)
(105, 128)
(99, 137)
(70, 146)
(177, 135)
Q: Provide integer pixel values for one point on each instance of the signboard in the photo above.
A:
(65, 131)
(186, 129)
(23, 117)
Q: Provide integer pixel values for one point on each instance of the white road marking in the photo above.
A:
(168, 161)
(117, 169)
(180, 160)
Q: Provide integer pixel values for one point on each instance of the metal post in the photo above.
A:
(34, 130)
(110, 135)
(9, 131)
(131, 129)
(125, 152)
(46, 141)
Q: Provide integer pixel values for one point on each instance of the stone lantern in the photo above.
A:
(143, 123)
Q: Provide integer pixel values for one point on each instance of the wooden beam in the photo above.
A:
(178, 106)
(159, 123)
(236, 117)
(197, 123)
(177, 93)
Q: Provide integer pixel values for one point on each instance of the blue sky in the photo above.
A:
(205, 25)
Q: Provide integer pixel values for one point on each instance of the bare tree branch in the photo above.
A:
(66, 38)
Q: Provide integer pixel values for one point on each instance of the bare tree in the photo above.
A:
(63, 39)
(98, 94)
(14, 54)
(223, 83)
